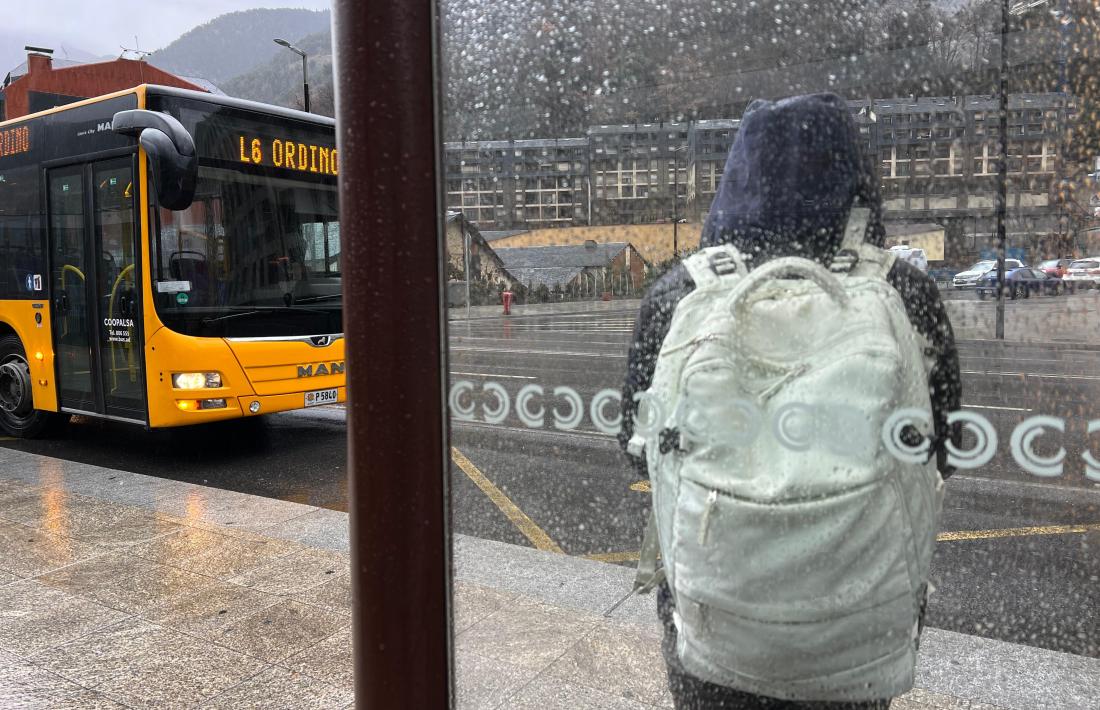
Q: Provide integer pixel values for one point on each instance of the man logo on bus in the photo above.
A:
(333, 368)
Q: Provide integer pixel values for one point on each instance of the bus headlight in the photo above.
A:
(196, 380)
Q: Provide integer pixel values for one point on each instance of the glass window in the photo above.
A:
(569, 410)
(247, 247)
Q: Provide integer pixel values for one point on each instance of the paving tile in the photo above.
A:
(8, 578)
(209, 611)
(329, 660)
(638, 609)
(473, 602)
(90, 519)
(230, 509)
(293, 690)
(553, 694)
(208, 552)
(918, 699)
(295, 573)
(279, 631)
(321, 528)
(123, 486)
(16, 493)
(531, 635)
(125, 582)
(34, 617)
(562, 580)
(34, 469)
(482, 682)
(334, 595)
(621, 659)
(143, 665)
(27, 687)
(28, 552)
(54, 502)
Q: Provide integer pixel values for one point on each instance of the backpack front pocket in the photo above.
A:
(810, 587)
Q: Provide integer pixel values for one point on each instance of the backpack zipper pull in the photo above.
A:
(712, 501)
(778, 384)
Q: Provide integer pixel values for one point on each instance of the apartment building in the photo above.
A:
(937, 159)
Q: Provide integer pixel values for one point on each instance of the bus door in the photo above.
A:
(95, 287)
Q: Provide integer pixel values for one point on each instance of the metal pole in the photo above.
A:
(466, 258)
(395, 326)
(675, 193)
(1002, 177)
(305, 82)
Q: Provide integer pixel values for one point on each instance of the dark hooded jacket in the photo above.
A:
(795, 170)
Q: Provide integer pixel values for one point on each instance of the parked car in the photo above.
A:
(1083, 273)
(969, 278)
(943, 275)
(1055, 267)
(1020, 283)
(913, 255)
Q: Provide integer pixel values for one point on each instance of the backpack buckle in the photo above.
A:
(844, 261)
(722, 263)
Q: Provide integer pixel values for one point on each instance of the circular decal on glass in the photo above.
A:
(182, 299)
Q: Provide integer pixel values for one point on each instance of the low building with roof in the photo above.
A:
(918, 235)
(577, 270)
(653, 241)
(42, 82)
(487, 273)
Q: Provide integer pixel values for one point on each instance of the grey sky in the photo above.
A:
(100, 27)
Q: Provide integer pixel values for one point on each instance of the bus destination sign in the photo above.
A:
(289, 155)
(14, 141)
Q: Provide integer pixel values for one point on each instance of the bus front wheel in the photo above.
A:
(18, 417)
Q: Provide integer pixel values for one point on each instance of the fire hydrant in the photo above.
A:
(507, 296)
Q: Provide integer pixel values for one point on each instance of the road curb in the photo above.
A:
(626, 307)
(961, 484)
(1046, 344)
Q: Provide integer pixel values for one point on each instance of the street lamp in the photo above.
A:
(675, 198)
(305, 69)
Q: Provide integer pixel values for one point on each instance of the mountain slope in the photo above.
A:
(279, 81)
(237, 42)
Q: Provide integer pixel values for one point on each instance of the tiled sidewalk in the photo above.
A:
(119, 590)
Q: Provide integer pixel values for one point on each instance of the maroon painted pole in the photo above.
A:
(395, 328)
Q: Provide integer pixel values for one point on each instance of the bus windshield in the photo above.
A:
(254, 255)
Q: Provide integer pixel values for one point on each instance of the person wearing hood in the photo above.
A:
(794, 172)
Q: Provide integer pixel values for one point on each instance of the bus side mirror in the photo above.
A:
(172, 152)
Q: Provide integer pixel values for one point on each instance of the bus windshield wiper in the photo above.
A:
(271, 310)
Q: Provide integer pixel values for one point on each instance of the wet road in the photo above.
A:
(1016, 569)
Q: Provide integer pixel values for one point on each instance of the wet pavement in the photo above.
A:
(188, 596)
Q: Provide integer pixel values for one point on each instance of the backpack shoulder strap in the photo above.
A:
(856, 257)
(849, 253)
(873, 261)
(708, 266)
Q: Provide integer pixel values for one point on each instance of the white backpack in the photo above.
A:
(794, 508)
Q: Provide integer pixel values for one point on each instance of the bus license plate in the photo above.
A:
(320, 397)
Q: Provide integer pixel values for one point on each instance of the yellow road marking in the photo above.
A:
(641, 487)
(1016, 532)
(524, 524)
(613, 557)
(942, 537)
(8, 438)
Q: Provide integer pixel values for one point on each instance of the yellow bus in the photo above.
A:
(167, 257)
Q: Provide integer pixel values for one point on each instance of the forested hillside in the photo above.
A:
(553, 67)
(279, 80)
(238, 42)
